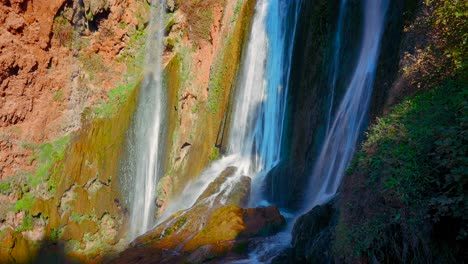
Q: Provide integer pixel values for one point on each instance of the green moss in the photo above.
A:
(133, 57)
(175, 227)
(47, 155)
(117, 97)
(25, 203)
(224, 224)
(58, 96)
(214, 155)
(225, 67)
(55, 234)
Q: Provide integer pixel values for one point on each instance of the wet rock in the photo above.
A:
(311, 237)
(8, 239)
(21, 251)
(237, 195)
(218, 235)
(263, 221)
(72, 231)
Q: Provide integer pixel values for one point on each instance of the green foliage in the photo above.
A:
(450, 17)
(175, 227)
(47, 156)
(237, 10)
(55, 234)
(79, 217)
(415, 169)
(27, 223)
(63, 31)
(117, 97)
(25, 203)
(76, 217)
(5, 188)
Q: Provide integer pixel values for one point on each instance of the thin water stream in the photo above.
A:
(145, 137)
(350, 117)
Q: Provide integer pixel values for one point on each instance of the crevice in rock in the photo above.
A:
(97, 19)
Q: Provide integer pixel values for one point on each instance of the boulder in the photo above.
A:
(220, 234)
(311, 237)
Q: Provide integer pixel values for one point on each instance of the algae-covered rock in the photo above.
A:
(197, 235)
(237, 195)
(21, 252)
(72, 231)
(223, 225)
(7, 239)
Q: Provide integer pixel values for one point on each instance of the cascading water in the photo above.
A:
(341, 139)
(257, 121)
(335, 63)
(145, 136)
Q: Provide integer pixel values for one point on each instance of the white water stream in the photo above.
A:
(146, 157)
(348, 123)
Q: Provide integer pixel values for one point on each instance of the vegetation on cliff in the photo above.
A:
(404, 199)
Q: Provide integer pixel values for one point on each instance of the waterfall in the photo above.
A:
(145, 143)
(348, 123)
(259, 107)
(335, 63)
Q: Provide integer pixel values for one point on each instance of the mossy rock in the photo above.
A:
(81, 204)
(224, 225)
(73, 231)
(238, 195)
(103, 202)
(203, 234)
(89, 226)
(21, 252)
(7, 239)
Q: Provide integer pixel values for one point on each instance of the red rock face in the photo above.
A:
(43, 87)
(26, 83)
(25, 34)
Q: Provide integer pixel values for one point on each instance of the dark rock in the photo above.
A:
(312, 237)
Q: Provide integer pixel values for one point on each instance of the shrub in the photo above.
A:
(406, 186)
